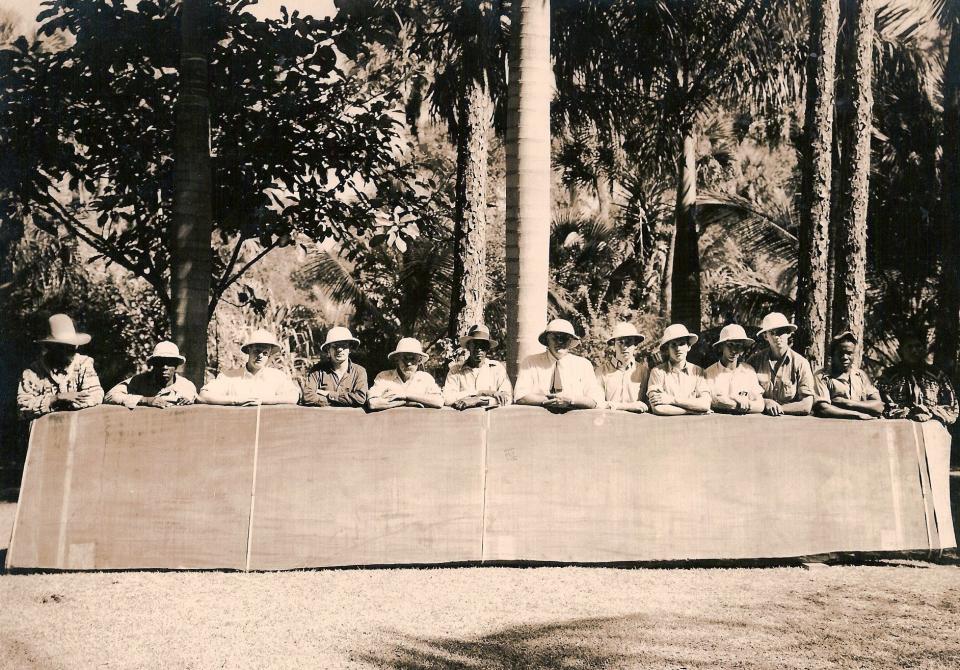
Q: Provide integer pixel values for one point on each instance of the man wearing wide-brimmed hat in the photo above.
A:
(405, 385)
(558, 379)
(785, 375)
(734, 385)
(160, 386)
(477, 381)
(677, 386)
(337, 381)
(845, 391)
(256, 383)
(60, 379)
(624, 379)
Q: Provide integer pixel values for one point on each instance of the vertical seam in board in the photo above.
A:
(894, 467)
(921, 468)
(253, 488)
(16, 513)
(67, 485)
(483, 484)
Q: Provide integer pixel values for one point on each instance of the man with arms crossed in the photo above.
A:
(676, 385)
(734, 386)
(624, 379)
(843, 391)
(558, 379)
(785, 375)
(160, 386)
(337, 382)
(255, 383)
(477, 381)
(405, 385)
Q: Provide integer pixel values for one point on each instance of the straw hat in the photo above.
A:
(561, 326)
(478, 332)
(678, 331)
(733, 333)
(338, 334)
(261, 336)
(62, 331)
(166, 349)
(409, 345)
(624, 330)
(773, 321)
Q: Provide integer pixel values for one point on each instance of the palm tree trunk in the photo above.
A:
(190, 248)
(816, 168)
(470, 222)
(850, 285)
(685, 273)
(528, 178)
(948, 316)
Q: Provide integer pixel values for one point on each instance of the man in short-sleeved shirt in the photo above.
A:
(677, 386)
(477, 381)
(255, 383)
(843, 391)
(734, 385)
(623, 378)
(785, 375)
(405, 385)
(160, 386)
(60, 379)
(913, 389)
(558, 379)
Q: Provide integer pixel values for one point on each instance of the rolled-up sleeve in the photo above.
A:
(120, 395)
(806, 386)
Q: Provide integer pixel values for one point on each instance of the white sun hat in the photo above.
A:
(774, 321)
(338, 334)
(409, 345)
(261, 336)
(678, 331)
(624, 330)
(62, 331)
(733, 333)
(166, 349)
(561, 326)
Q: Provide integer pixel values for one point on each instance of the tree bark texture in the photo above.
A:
(685, 273)
(528, 179)
(470, 221)
(816, 166)
(850, 285)
(948, 316)
(190, 249)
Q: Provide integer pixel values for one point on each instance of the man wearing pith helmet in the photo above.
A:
(337, 381)
(677, 386)
(785, 375)
(623, 379)
(256, 383)
(160, 386)
(61, 378)
(477, 381)
(405, 384)
(558, 379)
(845, 391)
(734, 386)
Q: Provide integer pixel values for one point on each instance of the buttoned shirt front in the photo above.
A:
(923, 388)
(682, 382)
(623, 383)
(267, 385)
(852, 385)
(788, 380)
(464, 380)
(420, 383)
(131, 391)
(576, 374)
(39, 385)
(732, 382)
(347, 390)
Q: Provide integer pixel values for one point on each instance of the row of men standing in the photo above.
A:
(777, 380)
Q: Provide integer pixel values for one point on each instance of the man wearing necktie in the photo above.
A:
(558, 379)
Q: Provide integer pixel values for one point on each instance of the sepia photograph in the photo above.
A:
(479, 334)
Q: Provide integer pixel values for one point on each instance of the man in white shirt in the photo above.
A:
(477, 381)
(405, 385)
(623, 379)
(677, 386)
(255, 383)
(734, 385)
(558, 379)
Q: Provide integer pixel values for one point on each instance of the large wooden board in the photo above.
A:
(600, 486)
(109, 488)
(337, 487)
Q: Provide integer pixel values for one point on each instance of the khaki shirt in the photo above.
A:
(576, 375)
(267, 384)
(683, 383)
(853, 385)
(788, 380)
(731, 382)
(623, 383)
(464, 381)
(131, 391)
(420, 384)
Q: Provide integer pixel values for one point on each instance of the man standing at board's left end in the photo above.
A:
(60, 379)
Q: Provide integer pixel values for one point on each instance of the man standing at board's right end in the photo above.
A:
(785, 375)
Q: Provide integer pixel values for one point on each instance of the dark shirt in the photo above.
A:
(350, 390)
(918, 389)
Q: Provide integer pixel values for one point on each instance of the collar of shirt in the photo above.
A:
(674, 368)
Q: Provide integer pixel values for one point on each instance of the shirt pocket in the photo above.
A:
(788, 390)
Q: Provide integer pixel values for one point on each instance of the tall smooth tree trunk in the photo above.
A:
(528, 178)
(850, 284)
(948, 316)
(816, 167)
(470, 222)
(190, 250)
(685, 271)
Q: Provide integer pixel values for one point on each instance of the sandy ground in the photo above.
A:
(891, 616)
